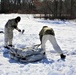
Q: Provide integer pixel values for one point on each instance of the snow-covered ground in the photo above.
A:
(66, 37)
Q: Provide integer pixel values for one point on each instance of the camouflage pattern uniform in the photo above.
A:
(9, 27)
(48, 34)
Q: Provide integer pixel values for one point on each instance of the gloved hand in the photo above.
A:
(19, 30)
(23, 31)
(63, 56)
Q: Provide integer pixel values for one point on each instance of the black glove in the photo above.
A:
(63, 56)
(23, 31)
(19, 30)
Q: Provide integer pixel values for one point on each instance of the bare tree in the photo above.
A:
(72, 6)
(60, 8)
(2, 5)
(55, 8)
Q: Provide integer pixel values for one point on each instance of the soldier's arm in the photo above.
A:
(41, 35)
(18, 29)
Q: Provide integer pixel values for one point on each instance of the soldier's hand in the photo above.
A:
(23, 31)
(63, 56)
(19, 30)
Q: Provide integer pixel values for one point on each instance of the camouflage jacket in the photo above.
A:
(46, 31)
(11, 24)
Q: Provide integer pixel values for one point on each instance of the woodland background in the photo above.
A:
(62, 9)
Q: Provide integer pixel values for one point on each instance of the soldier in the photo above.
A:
(9, 27)
(48, 34)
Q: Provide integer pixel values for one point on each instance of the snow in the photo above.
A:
(66, 38)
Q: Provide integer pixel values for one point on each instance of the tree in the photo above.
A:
(2, 6)
(72, 3)
(60, 8)
(55, 8)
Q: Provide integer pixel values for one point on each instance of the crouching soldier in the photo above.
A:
(9, 27)
(48, 34)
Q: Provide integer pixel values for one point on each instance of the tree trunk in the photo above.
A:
(55, 8)
(60, 8)
(72, 7)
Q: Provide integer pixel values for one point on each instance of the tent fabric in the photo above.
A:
(26, 55)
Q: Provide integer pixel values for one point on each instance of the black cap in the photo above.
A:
(18, 18)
